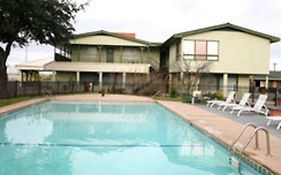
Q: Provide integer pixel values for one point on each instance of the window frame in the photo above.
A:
(202, 55)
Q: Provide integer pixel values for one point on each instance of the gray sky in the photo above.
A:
(157, 20)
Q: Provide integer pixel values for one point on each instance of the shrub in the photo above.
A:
(187, 97)
(173, 93)
(218, 95)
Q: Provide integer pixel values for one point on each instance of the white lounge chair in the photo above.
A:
(274, 118)
(259, 107)
(244, 102)
(229, 99)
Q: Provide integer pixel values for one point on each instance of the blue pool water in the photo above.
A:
(99, 138)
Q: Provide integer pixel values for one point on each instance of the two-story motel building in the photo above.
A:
(234, 54)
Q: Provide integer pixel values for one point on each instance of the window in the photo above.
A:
(213, 50)
(200, 50)
(188, 49)
(88, 53)
(131, 55)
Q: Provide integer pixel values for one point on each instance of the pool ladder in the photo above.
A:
(236, 162)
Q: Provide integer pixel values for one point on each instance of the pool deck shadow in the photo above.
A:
(220, 125)
(224, 127)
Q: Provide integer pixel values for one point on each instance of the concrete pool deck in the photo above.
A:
(211, 122)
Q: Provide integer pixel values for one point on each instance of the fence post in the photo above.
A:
(78, 87)
(16, 89)
(58, 84)
(39, 87)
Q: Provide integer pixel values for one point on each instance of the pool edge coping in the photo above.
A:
(23, 104)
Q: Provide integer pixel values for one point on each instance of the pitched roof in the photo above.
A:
(227, 26)
(118, 35)
(35, 65)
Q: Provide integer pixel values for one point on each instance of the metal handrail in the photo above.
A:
(49, 93)
(256, 133)
(156, 93)
(240, 134)
(245, 145)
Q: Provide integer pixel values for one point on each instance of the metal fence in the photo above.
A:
(39, 88)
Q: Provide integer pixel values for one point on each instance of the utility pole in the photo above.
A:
(274, 66)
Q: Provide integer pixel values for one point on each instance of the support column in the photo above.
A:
(124, 80)
(148, 77)
(78, 76)
(266, 82)
(21, 76)
(100, 80)
(181, 76)
(26, 76)
(32, 76)
(225, 80)
(182, 82)
(54, 75)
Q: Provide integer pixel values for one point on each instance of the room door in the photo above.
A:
(109, 55)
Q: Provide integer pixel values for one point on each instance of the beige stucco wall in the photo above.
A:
(104, 40)
(65, 76)
(239, 52)
(243, 80)
(172, 56)
(154, 58)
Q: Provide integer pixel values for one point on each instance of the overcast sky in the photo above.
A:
(157, 20)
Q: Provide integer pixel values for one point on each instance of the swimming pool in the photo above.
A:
(101, 138)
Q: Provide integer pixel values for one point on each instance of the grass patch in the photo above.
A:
(8, 101)
(168, 98)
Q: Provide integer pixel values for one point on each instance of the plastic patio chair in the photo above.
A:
(259, 107)
(230, 99)
(244, 102)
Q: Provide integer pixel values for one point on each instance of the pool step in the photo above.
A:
(233, 161)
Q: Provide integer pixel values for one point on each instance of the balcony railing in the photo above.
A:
(59, 57)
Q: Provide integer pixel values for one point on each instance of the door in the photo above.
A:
(109, 55)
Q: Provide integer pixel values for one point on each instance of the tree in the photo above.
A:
(42, 21)
(192, 72)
